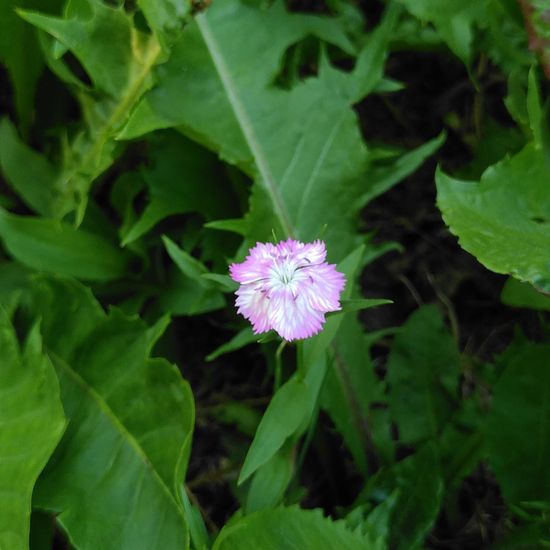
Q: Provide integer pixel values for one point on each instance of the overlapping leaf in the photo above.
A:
(423, 371)
(518, 427)
(289, 528)
(114, 482)
(302, 145)
(504, 220)
(118, 59)
(32, 420)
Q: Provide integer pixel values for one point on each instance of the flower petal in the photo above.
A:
(292, 317)
(321, 285)
(253, 304)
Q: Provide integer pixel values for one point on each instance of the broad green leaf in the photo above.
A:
(291, 529)
(32, 420)
(28, 172)
(504, 220)
(51, 245)
(114, 481)
(423, 372)
(240, 113)
(420, 492)
(518, 426)
(118, 59)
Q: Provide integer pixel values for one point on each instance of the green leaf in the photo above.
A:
(20, 54)
(182, 177)
(284, 415)
(349, 389)
(359, 304)
(291, 529)
(517, 294)
(243, 338)
(32, 423)
(321, 160)
(166, 17)
(419, 498)
(454, 20)
(118, 59)
(50, 245)
(270, 481)
(114, 481)
(518, 426)
(28, 172)
(504, 220)
(423, 372)
(192, 293)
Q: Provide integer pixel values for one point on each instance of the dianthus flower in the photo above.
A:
(287, 287)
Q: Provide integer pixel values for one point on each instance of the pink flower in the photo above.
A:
(287, 287)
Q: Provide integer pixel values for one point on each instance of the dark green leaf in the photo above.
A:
(28, 172)
(423, 371)
(518, 427)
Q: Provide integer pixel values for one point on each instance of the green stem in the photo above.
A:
(278, 365)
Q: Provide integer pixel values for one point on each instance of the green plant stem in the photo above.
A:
(278, 365)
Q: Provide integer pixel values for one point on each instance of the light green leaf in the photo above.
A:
(518, 430)
(291, 529)
(423, 372)
(54, 246)
(239, 113)
(32, 423)
(28, 172)
(504, 220)
(114, 482)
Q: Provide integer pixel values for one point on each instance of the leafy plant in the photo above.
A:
(147, 146)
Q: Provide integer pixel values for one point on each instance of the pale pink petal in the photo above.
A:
(253, 305)
(249, 271)
(321, 286)
(312, 253)
(287, 287)
(292, 317)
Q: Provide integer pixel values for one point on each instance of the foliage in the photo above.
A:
(144, 146)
